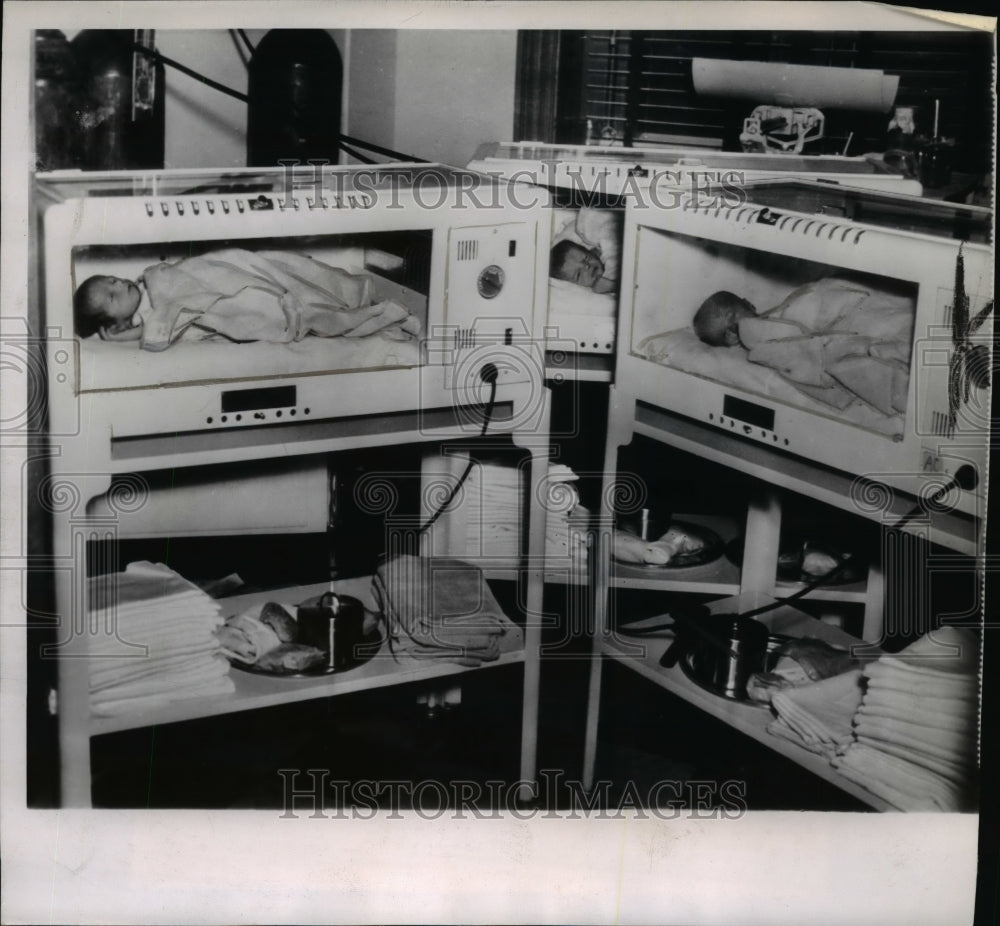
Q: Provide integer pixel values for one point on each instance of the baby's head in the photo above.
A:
(104, 302)
(717, 321)
(576, 264)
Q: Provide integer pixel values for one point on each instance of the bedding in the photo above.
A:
(106, 365)
(568, 301)
(567, 298)
(834, 347)
(277, 296)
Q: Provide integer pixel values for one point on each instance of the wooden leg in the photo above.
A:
(534, 576)
(621, 417)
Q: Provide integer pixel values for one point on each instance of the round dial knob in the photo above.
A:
(490, 281)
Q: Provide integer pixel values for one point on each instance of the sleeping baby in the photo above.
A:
(836, 340)
(587, 251)
(238, 295)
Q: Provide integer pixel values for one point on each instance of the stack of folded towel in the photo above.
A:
(153, 641)
(915, 729)
(441, 608)
(818, 716)
(495, 502)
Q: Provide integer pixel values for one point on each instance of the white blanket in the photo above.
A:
(277, 296)
(834, 347)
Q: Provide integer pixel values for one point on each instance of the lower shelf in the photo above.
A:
(643, 657)
(258, 691)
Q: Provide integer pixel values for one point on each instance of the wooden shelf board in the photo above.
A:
(748, 718)
(260, 691)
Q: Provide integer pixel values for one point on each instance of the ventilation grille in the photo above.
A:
(464, 338)
(468, 250)
(940, 425)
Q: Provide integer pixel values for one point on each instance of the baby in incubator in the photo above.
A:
(577, 264)
(238, 295)
(108, 306)
(717, 321)
(587, 251)
(837, 340)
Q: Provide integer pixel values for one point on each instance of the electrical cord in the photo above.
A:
(242, 97)
(489, 374)
(956, 481)
(246, 40)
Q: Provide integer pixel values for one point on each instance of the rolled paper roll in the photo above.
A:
(795, 84)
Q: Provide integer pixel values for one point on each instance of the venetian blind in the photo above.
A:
(637, 88)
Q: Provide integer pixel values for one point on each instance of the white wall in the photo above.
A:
(206, 128)
(432, 94)
(371, 86)
(454, 91)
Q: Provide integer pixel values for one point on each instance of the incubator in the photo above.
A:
(852, 328)
(274, 296)
(591, 186)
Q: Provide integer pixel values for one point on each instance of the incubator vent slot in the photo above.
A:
(465, 338)
(468, 250)
(940, 425)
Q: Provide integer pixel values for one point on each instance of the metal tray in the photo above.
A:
(368, 647)
(711, 550)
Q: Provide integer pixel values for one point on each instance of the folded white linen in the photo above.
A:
(935, 743)
(960, 737)
(950, 650)
(781, 728)
(822, 711)
(955, 770)
(178, 681)
(949, 713)
(903, 784)
(945, 685)
(132, 705)
(158, 643)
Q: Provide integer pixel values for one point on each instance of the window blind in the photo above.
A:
(637, 90)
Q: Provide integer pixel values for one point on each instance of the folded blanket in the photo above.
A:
(437, 607)
(901, 783)
(837, 340)
(961, 728)
(929, 709)
(937, 685)
(957, 770)
(941, 744)
(821, 712)
(781, 729)
(163, 646)
(272, 296)
(936, 720)
(952, 650)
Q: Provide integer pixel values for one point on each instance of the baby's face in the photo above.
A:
(722, 327)
(118, 299)
(582, 267)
